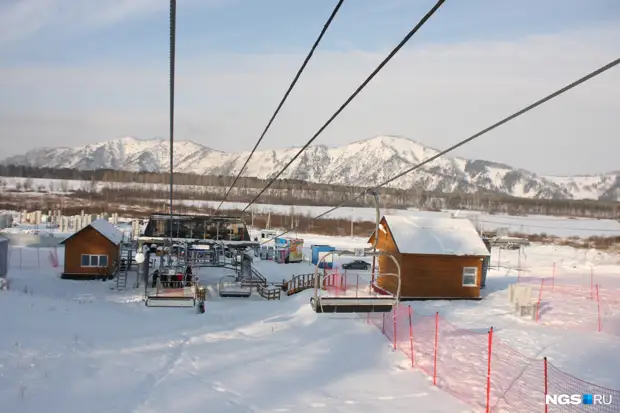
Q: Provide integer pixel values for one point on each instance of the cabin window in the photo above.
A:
(94, 260)
(469, 276)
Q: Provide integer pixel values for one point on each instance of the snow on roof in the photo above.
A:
(108, 230)
(435, 236)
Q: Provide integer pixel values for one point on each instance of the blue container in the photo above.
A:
(316, 249)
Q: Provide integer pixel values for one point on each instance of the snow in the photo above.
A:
(108, 230)
(562, 227)
(586, 186)
(77, 346)
(74, 346)
(435, 236)
(354, 164)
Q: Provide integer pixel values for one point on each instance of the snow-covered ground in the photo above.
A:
(70, 346)
(530, 224)
(562, 227)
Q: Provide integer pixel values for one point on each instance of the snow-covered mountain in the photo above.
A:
(361, 163)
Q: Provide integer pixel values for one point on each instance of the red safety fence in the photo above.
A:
(578, 303)
(480, 369)
(344, 284)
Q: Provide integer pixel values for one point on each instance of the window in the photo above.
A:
(469, 276)
(94, 260)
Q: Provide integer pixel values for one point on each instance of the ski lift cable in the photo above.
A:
(357, 91)
(503, 121)
(284, 98)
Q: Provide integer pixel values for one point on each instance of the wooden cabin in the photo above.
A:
(92, 252)
(440, 258)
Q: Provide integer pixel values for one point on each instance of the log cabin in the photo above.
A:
(91, 253)
(440, 258)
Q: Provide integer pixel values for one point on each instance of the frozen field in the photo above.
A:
(69, 346)
(531, 224)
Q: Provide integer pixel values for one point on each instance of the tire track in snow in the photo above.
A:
(153, 381)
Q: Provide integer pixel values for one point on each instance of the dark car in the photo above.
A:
(356, 265)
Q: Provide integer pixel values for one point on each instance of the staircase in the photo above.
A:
(121, 280)
(124, 265)
(263, 288)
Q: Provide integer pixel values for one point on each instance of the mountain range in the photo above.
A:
(362, 163)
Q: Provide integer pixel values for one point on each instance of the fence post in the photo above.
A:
(436, 345)
(357, 284)
(598, 308)
(542, 285)
(499, 257)
(411, 337)
(546, 384)
(489, 352)
(383, 323)
(395, 311)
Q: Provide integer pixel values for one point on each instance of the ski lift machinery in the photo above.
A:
(372, 303)
(182, 297)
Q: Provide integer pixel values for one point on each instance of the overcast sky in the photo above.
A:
(82, 71)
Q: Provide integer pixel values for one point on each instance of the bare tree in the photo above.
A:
(64, 186)
(28, 184)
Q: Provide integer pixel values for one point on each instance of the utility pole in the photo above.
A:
(351, 226)
(173, 18)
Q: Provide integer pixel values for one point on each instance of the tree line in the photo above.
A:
(113, 186)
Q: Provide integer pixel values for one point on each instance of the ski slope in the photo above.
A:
(74, 348)
(71, 346)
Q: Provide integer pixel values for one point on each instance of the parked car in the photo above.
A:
(356, 265)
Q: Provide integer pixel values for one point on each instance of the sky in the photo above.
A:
(84, 71)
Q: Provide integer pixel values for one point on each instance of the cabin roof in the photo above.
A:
(105, 228)
(435, 236)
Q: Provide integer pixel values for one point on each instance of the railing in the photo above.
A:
(268, 292)
(298, 283)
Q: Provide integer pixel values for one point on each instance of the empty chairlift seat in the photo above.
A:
(376, 304)
(370, 302)
(230, 287)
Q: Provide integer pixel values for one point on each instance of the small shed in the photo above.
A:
(318, 251)
(92, 252)
(4, 256)
(440, 258)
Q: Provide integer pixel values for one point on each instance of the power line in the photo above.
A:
(284, 98)
(385, 61)
(465, 141)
